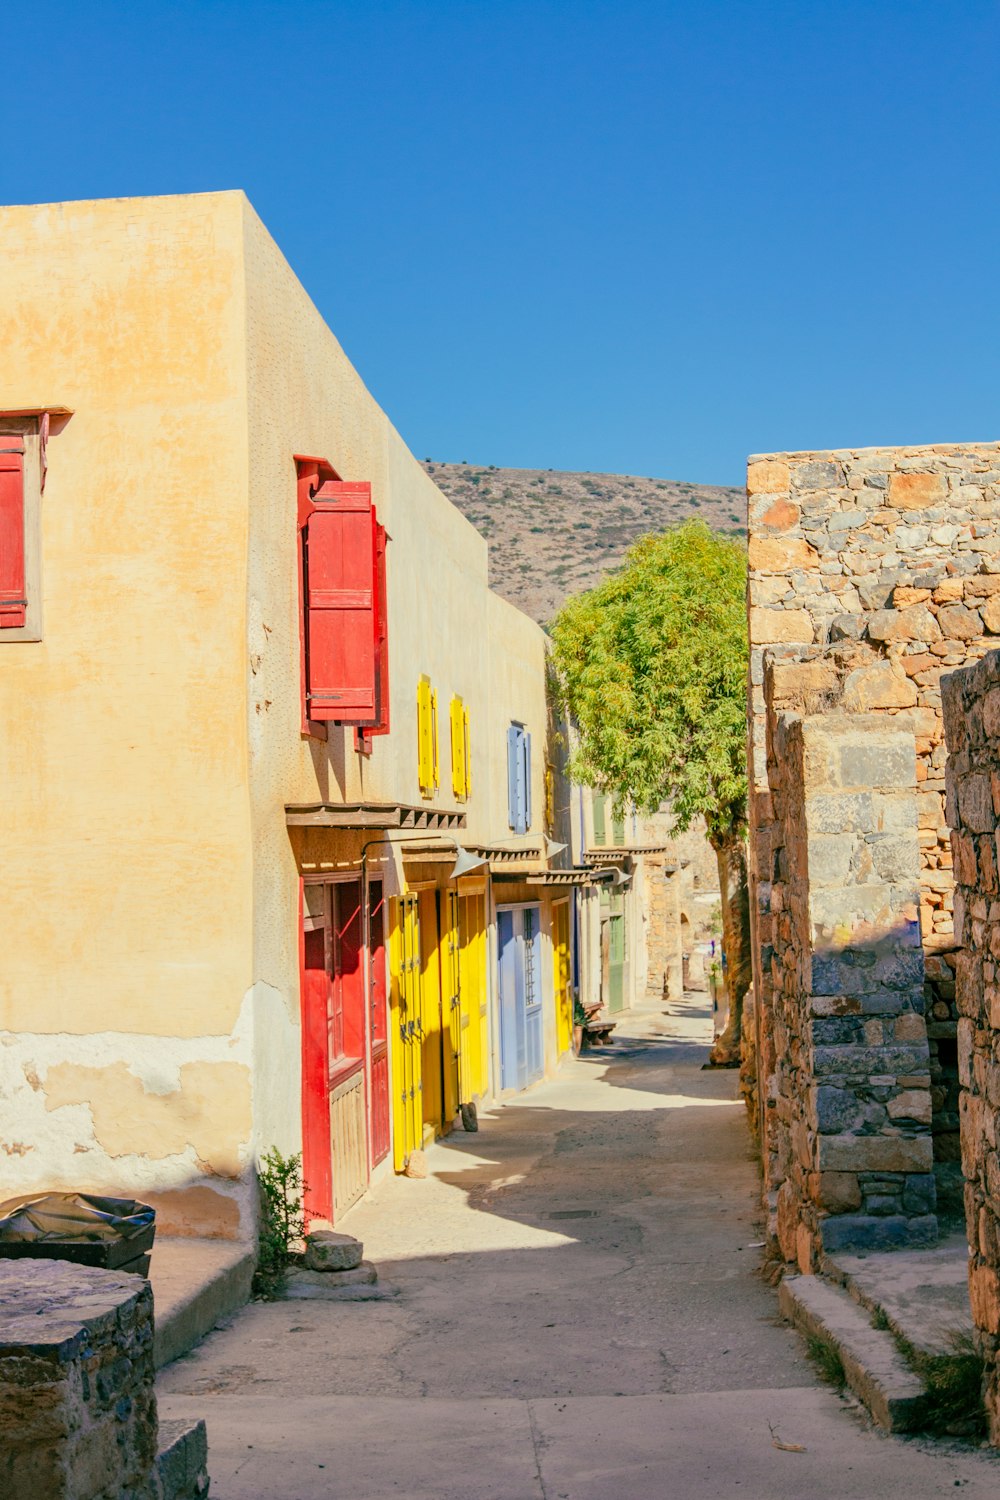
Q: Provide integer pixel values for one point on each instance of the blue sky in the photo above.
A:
(640, 237)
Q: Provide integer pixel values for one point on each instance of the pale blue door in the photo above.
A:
(532, 950)
(511, 1002)
(520, 965)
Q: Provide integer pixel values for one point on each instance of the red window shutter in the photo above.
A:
(381, 725)
(13, 603)
(341, 605)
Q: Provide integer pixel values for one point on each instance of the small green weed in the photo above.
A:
(827, 1361)
(282, 1221)
(880, 1321)
(954, 1389)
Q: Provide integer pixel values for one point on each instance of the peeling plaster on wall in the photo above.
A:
(64, 1149)
(210, 1113)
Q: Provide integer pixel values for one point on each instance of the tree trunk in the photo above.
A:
(731, 856)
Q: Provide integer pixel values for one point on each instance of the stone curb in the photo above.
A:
(874, 1368)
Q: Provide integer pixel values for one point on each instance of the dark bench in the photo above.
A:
(598, 1029)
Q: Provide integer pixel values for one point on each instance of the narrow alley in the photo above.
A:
(571, 1309)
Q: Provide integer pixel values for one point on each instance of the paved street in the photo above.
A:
(579, 1316)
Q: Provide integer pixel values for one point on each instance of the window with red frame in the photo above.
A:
(345, 644)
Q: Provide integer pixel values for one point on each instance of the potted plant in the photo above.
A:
(579, 1016)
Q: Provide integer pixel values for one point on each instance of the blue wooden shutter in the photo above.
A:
(526, 755)
(513, 765)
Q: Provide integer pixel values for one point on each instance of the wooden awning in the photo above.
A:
(626, 856)
(362, 815)
(554, 877)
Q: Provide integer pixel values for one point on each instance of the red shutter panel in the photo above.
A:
(13, 603)
(381, 725)
(341, 605)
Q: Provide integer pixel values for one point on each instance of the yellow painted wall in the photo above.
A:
(152, 738)
(127, 876)
(305, 397)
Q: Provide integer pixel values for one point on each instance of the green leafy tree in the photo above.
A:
(652, 667)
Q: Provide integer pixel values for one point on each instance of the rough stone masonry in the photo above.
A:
(972, 722)
(872, 572)
(78, 1418)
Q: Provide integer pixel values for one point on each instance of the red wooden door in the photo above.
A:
(317, 1161)
(345, 1044)
(347, 997)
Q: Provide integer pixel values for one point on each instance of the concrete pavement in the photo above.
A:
(579, 1316)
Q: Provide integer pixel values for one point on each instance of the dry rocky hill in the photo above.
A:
(552, 534)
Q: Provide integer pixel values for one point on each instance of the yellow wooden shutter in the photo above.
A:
(425, 754)
(434, 741)
(457, 720)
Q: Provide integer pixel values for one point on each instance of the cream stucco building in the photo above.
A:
(232, 913)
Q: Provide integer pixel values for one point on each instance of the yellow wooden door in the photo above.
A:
(430, 1029)
(451, 1000)
(475, 1050)
(563, 976)
(406, 1011)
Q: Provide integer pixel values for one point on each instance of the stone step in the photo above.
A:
(873, 1367)
(195, 1284)
(357, 1285)
(182, 1460)
(923, 1295)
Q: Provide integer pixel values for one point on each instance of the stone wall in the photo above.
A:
(972, 722)
(871, 572)
(662, 879)
(848, 1107)
(78, 1417)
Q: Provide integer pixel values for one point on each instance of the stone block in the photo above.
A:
(835, 1110)
(959, 622)
(909, 1027)
(877, 760)
(326, 1250)
(838, 1192)
(838, 972)
(831, 856)
(896, 857)
(767, 476)
(984, 1294)
(882, 685)
(915, 623)
(777, 626)
(975, 803)
(840, 812)
(851, 909)
(861, 1063)
(876, 1153)
(816, 474)
(846, 628)
(780, 554)
(911, 1104)
(794, 682)
(991, 703)
(917, 491)
(871, 1232)
(899, 965)
(776, 514)
(359, 1285)
(182, 1460)
(837, 1031)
